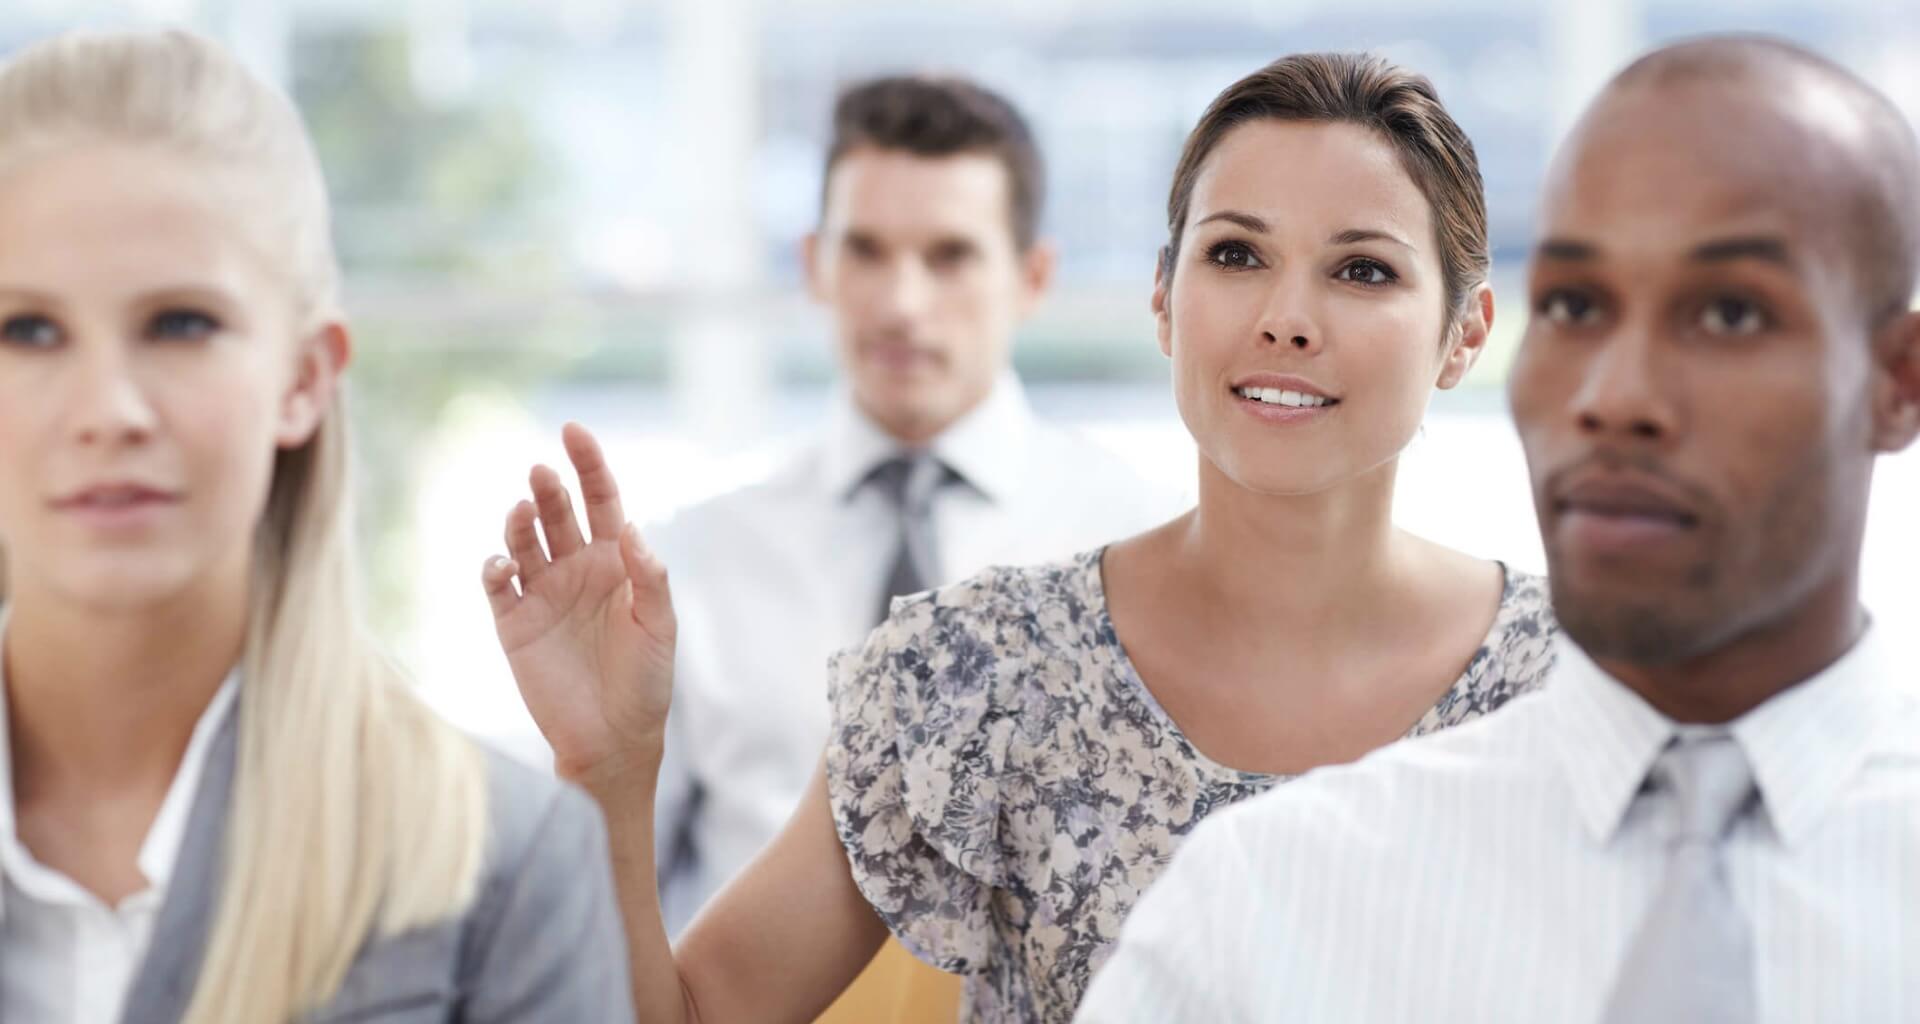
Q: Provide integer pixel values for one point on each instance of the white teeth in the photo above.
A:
(1292, 399)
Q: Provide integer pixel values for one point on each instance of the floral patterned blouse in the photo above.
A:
(1006, 786)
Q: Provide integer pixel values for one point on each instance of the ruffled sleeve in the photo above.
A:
(913, 770)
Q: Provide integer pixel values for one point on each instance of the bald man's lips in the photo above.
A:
(1612, 514)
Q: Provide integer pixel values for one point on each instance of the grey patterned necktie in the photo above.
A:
(1692, 959)
(908, 482)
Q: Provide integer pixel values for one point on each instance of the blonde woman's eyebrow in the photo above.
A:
(27, 296)
(184, 293)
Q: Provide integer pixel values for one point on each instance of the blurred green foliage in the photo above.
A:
(432, 201)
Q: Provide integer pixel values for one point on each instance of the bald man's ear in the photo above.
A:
(1896, 383)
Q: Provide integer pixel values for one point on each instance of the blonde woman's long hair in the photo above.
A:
(355, 812)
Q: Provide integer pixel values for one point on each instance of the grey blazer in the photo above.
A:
(542, 941)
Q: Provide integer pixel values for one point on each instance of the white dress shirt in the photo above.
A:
(1496, 872)
(771, 580)
(66, 957)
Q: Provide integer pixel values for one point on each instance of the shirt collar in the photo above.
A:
(1607, 737)
(1808, 742)
(161, 848)
(1804, 744)
(987, 447)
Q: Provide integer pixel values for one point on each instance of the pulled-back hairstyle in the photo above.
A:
(355, 811)
(1402, 107)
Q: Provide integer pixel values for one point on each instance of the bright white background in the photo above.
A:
(589, 209)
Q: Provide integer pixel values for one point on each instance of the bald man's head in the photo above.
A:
(1872, 164)
(1720, 347)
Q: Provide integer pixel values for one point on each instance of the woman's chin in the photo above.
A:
(121, 585)
(1294, 475)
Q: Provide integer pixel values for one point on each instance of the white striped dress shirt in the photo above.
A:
(1497, 871)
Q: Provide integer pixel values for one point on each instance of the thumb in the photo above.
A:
(620, 607)
(649, 600)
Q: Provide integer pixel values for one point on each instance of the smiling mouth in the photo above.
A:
(1288, 399)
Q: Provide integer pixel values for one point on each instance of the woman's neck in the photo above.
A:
(100, 700)
(1318, 562)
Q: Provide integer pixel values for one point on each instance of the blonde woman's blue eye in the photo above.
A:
(29, 332)
(183, 325)
(1733, 316)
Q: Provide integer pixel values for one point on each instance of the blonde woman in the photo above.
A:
(220, 803)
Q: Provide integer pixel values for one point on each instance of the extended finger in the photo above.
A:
(496, 577)
(598, 489)
(523, 542)
(556, 512)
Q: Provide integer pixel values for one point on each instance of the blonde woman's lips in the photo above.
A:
(117, 506)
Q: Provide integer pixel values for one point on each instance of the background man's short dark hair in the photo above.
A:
(938, 117)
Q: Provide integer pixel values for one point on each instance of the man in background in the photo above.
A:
(931, 466)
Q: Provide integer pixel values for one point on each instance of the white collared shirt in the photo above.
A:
(66, 957)
(771, 580)
(1497, 872)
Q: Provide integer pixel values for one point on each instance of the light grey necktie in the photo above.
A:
(1692, 959)
(908, 482)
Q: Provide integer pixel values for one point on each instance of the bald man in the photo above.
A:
(1711, 812)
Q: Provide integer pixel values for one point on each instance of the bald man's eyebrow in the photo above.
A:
(1566, 251)
(1757, 247)
(1245, 220)
(1354, 236)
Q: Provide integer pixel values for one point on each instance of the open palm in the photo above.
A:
(589, 632)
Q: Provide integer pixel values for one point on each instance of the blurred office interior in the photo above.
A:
(591, 210)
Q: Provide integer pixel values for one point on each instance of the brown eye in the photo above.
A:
(29, 331)
(1233, 256)
(1368, 272)
(1735, 316)
(1568, 308)
(950, 256)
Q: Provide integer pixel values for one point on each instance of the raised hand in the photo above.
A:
(589, 631)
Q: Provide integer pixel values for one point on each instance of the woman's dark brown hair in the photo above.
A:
(1372, 92)
(943, 117)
